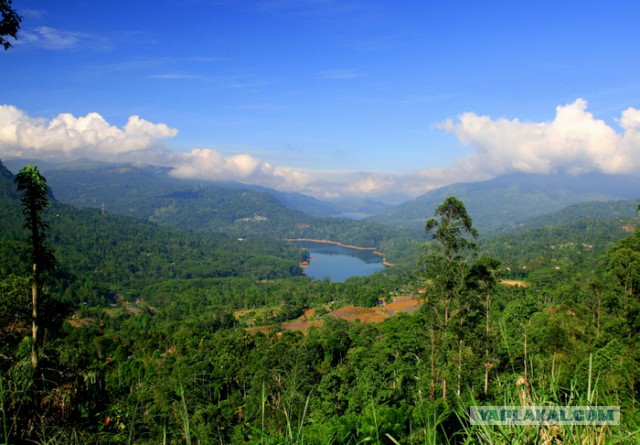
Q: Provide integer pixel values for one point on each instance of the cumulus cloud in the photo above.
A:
(211, 164)
(69, 136)
(575, 141)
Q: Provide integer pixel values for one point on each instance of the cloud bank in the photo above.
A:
(574, 141)
(73, 137)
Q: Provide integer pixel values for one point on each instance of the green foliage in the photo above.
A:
(446, 260)
(33, 188)
(10, 23)
(15, 313)
(507, 202)
(34, 199)
(157, 355)
(236, 210)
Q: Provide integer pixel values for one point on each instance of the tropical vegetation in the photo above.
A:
(153, 334)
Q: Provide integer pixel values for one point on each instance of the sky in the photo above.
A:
(332, 98)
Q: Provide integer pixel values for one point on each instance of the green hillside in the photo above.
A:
(154, 334)
(99, 251)
(621, 210)
(505, 202)
(150, 193)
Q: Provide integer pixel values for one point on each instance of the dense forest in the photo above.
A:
(147, 333)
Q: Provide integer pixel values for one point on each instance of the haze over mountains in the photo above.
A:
(231, 208)
(151, 193)
(505, 202)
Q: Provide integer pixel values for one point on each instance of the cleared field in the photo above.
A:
(364, 314)
(515, 283)
(408, 304)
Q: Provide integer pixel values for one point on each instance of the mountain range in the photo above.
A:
(496, 205)
(508, 201)
(150, 193)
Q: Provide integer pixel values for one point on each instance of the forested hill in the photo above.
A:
(504, 202)
(6, 185)
(156, 334)
(150, 193)
(100, 254)
(621, 210)
(548, 254)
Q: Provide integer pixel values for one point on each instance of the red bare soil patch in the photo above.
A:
(17, 326)
(379, 314)
(402, 304)
(300, 324)
(309, 313)
(364, 314)
(255, 330)
(78, 322)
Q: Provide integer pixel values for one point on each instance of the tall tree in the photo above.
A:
(447, 259)
(624, 269)
(445, 265)
(10, 23)
(34, 189)
(482, 279)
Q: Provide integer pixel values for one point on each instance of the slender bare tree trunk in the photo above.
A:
(599, 310)
(459, 368)
(486, 351)
(34, 317)
(526, 375)
(432, 386)
(486, 378)
(446, 311)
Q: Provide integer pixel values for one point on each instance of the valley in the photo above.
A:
(319, 222)
(189, 300)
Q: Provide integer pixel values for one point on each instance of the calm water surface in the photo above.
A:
(339, 263)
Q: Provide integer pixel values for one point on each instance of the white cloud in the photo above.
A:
(51, 38)
(575, 141)
(55, 39)
(210, 164)
(66, 135)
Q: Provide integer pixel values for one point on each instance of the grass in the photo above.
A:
(552, 395)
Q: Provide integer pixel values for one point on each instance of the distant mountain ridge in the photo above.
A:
(6, 180)
(505, 202)
(496, 205)
(160, 178)
(604, 211)
(150, 193)
(110, 250)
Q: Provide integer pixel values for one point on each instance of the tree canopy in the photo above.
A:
(10, 23)
(177, 336)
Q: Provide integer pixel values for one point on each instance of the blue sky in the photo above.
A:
(328, 97)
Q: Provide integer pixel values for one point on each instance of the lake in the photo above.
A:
(339, 262)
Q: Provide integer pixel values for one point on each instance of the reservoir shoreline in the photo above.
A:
(336, 243)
